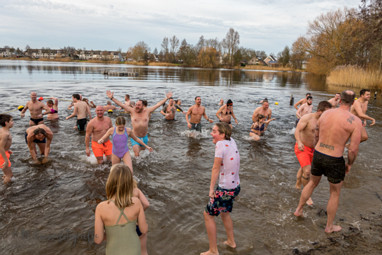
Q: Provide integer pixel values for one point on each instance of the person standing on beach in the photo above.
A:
(35, 108)
(41, 136)
(196, 111)
(335, 100)
(6, 123)
(140, 117)
(81, 110)
(335, 127)
(226, 169)
(97, 128)
(359, 109)
(305, 142)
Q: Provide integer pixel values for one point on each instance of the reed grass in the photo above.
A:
(355, 77)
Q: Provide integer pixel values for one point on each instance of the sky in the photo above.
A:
(267, 25)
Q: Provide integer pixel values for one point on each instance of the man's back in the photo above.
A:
(336, 126)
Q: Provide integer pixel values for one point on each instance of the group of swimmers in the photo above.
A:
(320, 141)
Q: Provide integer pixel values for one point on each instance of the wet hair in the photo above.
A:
(128, 96)
(225, 129)
(77, 96)
(120, 186)
(120, 120)
(49, 102)
(265, 100)
(4, 118)
(144, 102)
(177, 101)
(323, 105)
(38, 131)
(309, 97)
(347, 97)
(197, 97)
(308, 94)
(229, 102)
(260, 116)
(363, 91)
(108, 103)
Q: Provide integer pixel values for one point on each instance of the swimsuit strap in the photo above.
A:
(115, 129)
(120, 215)
(126, 134)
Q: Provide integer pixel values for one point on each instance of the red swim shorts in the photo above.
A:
(2, 160)
(304, 157)
(103, 148)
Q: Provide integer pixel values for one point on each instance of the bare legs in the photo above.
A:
(137, 149)
(332, 203)
(211, 232)
(126, 160)
(7, 174)
(305, 180)
(332, 206)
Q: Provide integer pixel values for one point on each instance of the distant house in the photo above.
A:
(270, 60)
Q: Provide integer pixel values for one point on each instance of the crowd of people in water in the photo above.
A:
(321, 139)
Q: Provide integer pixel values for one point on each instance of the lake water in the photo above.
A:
(50, 209)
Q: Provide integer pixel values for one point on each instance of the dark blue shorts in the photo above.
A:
(223, 201)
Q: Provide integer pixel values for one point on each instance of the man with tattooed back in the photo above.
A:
(334, 128)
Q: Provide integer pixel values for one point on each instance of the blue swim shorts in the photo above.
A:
(223, 201)
(144, 139)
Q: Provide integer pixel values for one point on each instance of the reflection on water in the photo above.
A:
(50, 209)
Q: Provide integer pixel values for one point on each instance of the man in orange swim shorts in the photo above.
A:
(6, 123)
(97, 128)
(305, 142)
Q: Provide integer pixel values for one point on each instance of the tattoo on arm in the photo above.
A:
(350, 119)
(330, 147)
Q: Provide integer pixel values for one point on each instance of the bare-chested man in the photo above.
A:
(359, 109)
(225, 113)
(109, 107)
(302, 101)
(305, 142)
(6, 123)
(81, 110)
(140, 117)
(335, 100)
(335, 127)
(169, 110)
(35, 109)
(196, 111)
(97, 128)
(305, 108)
(42, 136)
(263, 110)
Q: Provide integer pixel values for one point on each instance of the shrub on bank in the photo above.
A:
(355, 77)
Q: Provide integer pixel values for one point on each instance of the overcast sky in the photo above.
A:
(267, 25)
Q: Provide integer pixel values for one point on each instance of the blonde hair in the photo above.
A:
(120, 120)
(120, 186)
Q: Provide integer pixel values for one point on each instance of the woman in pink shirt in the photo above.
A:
(226, 168)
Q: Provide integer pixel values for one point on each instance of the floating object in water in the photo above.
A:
(291, 102)
(110, 111)
(20, 108)
(40, 99)
(276, 103)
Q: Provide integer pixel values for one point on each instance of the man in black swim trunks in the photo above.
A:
(35, 108)
(334, 127)
(81, 110)
(196, 111)
(42, 136)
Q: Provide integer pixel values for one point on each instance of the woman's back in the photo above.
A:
(120, 227)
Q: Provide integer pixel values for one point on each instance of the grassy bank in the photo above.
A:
(259, 67)
(355, 77)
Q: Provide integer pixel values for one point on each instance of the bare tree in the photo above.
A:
(231, 44)
(174, 44)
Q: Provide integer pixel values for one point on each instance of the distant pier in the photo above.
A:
(117, 73)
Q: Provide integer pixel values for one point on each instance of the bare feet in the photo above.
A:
(309, 202)
(209, 253)
(232, 245)
(334, 228)
(298, 185)
(298, 213)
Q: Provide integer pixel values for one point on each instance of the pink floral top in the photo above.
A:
(229, 169)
